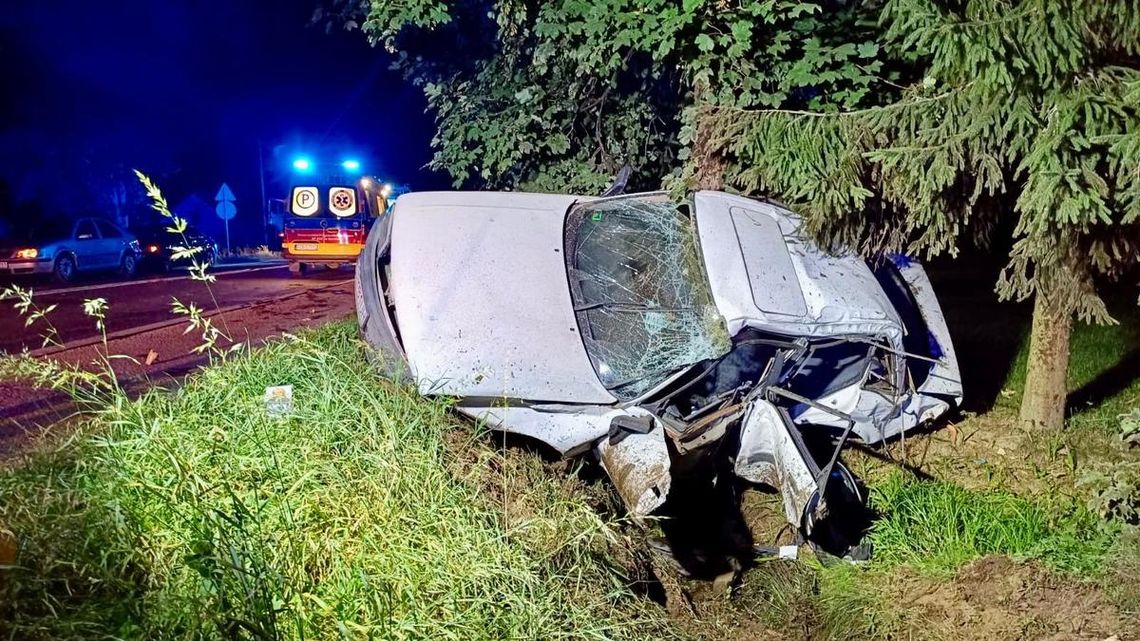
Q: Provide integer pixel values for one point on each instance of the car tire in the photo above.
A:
(129, 266)
(65, 269)
(841, 533)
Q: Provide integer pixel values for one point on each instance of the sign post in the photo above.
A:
(226, 209)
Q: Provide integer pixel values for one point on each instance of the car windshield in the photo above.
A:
(642, 299)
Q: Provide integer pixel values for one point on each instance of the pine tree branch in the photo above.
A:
(857, 112)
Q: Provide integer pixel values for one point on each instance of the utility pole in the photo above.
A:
(264, 202)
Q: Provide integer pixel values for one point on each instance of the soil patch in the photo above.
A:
(996, 598)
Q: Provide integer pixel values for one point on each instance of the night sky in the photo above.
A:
(185, 90)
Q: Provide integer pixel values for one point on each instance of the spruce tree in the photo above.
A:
(1022, 115)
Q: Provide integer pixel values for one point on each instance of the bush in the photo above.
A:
(1115, 485)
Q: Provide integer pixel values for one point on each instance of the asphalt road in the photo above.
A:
(147, 300)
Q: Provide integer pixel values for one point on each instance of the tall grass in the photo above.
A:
(939, 526)
(839, 602)
(196, 515)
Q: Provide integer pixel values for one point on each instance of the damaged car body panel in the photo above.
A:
(885, 322)
(479, 289)
(657, 334)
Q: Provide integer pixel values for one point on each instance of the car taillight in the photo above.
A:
(152, 248)
(27, 253)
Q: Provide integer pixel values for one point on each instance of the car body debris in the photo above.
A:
(657, 335)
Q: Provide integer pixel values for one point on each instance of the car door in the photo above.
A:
(111, 245)
(89, 253)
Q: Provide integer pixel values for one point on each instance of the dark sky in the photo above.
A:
(185, 89)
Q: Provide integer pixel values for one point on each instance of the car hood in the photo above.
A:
(482, 302)
(764, 274)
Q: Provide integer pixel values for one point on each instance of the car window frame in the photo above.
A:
(79, 223)
(100, 223)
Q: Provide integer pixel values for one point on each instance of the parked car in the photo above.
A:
(65, 248)
(663, 337)
(157, 245)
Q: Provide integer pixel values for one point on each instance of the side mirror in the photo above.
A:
(623, 425)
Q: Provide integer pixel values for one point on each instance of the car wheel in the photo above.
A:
(65, 269)
(298, 269)
(841, 532)
(129, 266)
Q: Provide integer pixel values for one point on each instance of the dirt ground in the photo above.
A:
(993, 598)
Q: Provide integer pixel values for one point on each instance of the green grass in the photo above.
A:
(1094, 351)
(939, 526)
(194, 515)
(834, 602)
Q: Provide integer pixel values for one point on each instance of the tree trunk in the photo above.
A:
(1043, 402)
(709, 161)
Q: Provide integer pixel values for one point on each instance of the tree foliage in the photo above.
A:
(1022, 113)
(559, 95)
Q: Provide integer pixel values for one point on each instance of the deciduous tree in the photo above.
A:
(559, 95)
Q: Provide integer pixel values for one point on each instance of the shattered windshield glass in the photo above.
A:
(643, 302)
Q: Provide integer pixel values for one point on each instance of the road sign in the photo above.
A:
(342, 201)
(224, 194)
(306, 201)
(226, 209)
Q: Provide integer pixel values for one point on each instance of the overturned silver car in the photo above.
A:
(656, 334)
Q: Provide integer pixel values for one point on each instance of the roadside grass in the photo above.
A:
(938, 526)
(365, 513)
(836, 602)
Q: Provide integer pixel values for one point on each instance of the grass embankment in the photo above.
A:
(365, 514)
(372, 513)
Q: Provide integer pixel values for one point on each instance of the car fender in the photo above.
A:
(64, 250)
